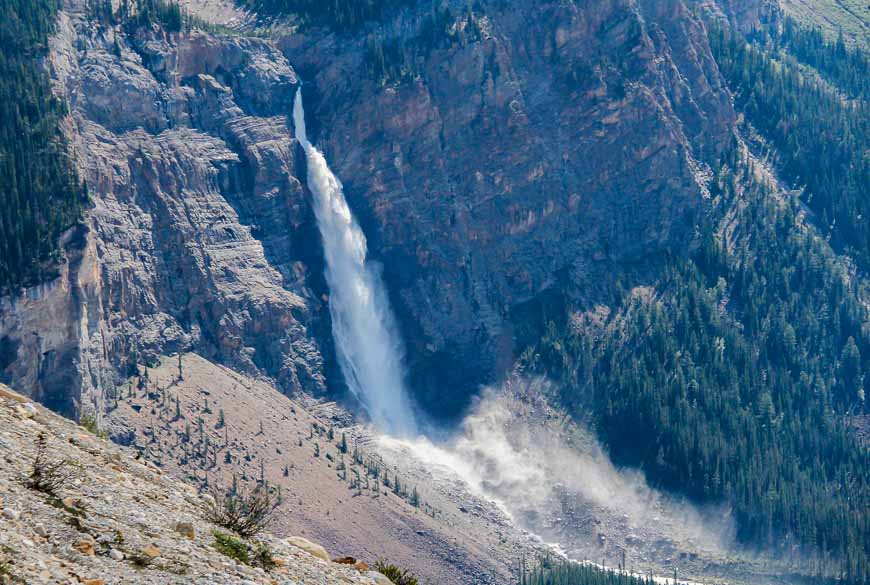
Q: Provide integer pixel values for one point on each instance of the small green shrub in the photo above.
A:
(233, 547)
(258, 555)
(395, 574)
(263, 556)
(7, 576)
(48, 476)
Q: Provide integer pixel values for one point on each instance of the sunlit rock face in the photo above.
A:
(199, 238)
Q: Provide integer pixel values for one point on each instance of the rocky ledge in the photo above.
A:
(120, 519)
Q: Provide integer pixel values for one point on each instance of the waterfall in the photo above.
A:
(369, 349)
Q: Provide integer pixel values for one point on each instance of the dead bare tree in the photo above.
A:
(246, 513)
(48, 476)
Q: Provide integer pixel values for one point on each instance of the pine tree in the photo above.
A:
(343, 446)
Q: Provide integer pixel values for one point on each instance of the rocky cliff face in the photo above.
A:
(199, 237)
(538, 148)
(527, 150)
(747, 15)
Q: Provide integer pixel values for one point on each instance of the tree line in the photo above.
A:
(136, 15)
(821, 139)
(339, 15)
(41, 195)
(846, 68)
(550, 570)
(730, 383)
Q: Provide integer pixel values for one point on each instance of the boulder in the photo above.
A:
(185, 529)
(379, 578)
(85, 546)
(309, 547)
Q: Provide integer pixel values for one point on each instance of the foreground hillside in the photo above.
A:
(120, 519)
(216, 426)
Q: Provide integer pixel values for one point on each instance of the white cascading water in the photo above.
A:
(369, 349)
(500, 456)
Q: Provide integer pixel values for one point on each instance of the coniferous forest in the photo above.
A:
(822, 137)
(138, 15)
(730, 387)
(41, 195)
(734, 382)
(341, 15)
(845, 68)
(555, 571)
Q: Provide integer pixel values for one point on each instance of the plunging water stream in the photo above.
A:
(368, 346)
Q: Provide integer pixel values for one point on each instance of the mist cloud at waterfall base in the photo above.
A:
(552, 478)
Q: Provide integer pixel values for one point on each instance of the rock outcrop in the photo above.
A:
(199, 237)
(311, 548)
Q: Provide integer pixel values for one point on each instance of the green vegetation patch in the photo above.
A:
(395, 574)
(40, 193)
(556, 571)
(731, 382)
(846, 68)
(849, 17)
(233, 547)
(258, 554)
(822, 139)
